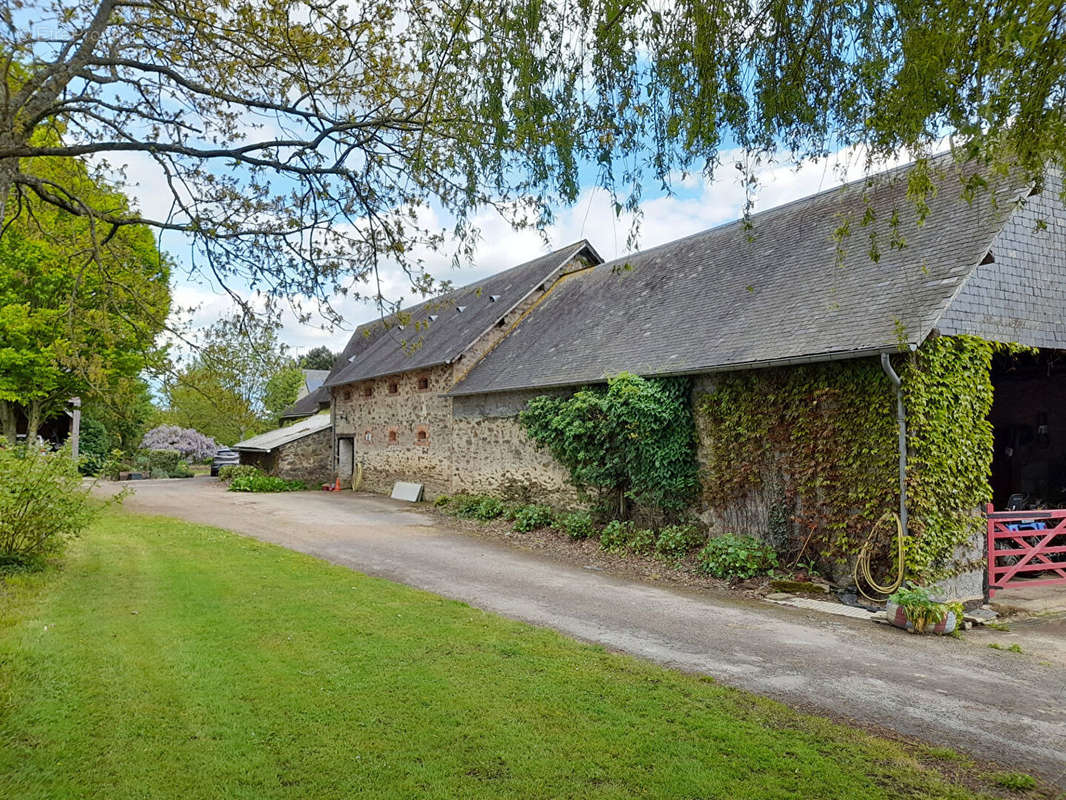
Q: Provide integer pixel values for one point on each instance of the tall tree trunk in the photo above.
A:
(8, 168)
(9, 421)
(33, 421)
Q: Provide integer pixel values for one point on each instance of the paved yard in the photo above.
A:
(997, 705)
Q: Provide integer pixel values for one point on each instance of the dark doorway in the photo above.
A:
(1029, 423)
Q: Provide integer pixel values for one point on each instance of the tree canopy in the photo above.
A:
(228, 388)
(320, 357)
(69, 329)
(300, 142)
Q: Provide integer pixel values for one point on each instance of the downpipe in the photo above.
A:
(901, 418)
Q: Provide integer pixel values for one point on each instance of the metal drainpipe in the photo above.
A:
(901, 417)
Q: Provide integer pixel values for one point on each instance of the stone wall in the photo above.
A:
(491, 453)
(306, 459)
(401, 426)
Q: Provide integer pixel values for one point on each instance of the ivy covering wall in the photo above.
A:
(631, 445)
(825, 435)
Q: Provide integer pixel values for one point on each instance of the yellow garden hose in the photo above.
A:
(862, 563)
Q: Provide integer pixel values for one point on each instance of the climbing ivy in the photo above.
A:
(826, 435)
(819, 440)
(947, 394)
(631, 444)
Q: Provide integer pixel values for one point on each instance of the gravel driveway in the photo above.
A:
(995, 705)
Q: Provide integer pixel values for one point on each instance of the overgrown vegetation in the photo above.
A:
(818, 443)
(42, 504)
(631, 445)
(252, 671)
(231, 471)
(148, 463)
(530, 518)
(730, 556)
(264, 483)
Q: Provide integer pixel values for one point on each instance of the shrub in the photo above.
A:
(189, 442)
(264, 483)
(676, 541)
(578, 524)
(488, 508)
(93, 446)
(42, 504)
(641, 540)
(181, 471)
(529, 518)
(465, 505)
(232, 471)
(732, 556)
(165, 461)
(441, 500)
(615, 535)
(158, 473)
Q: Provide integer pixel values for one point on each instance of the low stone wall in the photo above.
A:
(306, 459)
(492, 454)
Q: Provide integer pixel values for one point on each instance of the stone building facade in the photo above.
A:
(402, 423)
(298, 452)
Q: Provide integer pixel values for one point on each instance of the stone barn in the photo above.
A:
(297, 452)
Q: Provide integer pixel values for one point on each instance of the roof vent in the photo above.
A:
(460, 309)
(351, 359)
(493, 298)
(989, 258)
(400, 327)
(432, 317)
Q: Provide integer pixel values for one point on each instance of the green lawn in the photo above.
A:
(172, 660)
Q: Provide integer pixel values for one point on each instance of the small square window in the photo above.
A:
(423, 384)
(368, 391)
(422, 436)
(393, 437)
(367, 436)
(394, 387)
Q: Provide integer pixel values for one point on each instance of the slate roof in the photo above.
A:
(313, 378)
(308, 404)
(734, 297)
(436, 332)
(265, 442)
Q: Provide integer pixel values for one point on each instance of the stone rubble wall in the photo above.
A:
(306, 459)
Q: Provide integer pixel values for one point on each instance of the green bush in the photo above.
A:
(530, 518)
(578, 525)
(642, 541)
(676, 541)
(228, 473)
(488, 508)
(165, 461)
(615, 535)
(264, 483)
(441, 501)
(158, 473)
(1015, 781)
(465, 505)
(182, 470)
(93, 446)
(732, 556)
(42, 504)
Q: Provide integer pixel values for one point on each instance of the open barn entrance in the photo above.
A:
(1027, 521)
(1029, 423)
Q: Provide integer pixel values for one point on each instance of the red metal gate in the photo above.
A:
(1026, 545)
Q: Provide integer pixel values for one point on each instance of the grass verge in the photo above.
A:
(165, 659)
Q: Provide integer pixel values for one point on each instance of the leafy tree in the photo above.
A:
(76, 317)
(320, 357)
(299, 140)
(282, 391)
(222, 392)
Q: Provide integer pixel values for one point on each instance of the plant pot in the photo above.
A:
(898, 617)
